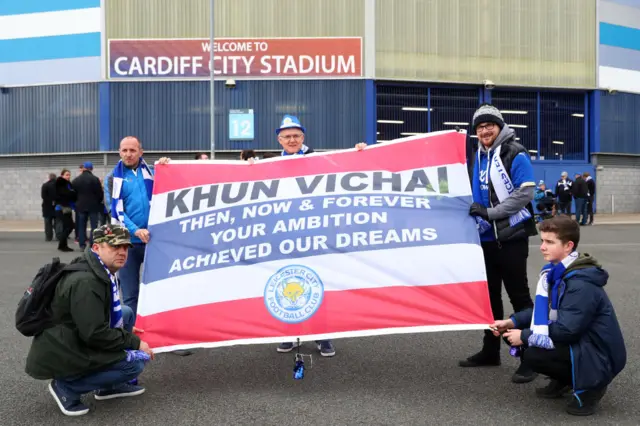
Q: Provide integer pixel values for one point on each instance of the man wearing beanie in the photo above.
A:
(503, 188)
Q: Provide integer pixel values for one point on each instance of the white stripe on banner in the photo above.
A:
(374, 271)
(288, 189)
(31, 25)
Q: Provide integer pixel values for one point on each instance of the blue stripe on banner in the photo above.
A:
(619, 36)
(55, 47)
(447, 222)
(19, 7)
(538, 314)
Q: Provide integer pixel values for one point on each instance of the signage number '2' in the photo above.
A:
(242, 128)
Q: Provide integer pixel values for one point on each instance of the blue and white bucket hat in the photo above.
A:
(290, 122)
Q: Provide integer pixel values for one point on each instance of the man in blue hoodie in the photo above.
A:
(503, 188)
(572, 334)
(128, 189)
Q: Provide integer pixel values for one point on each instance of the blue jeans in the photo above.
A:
(112, 376)
(581, 210)
(82, 218)
(130, 277)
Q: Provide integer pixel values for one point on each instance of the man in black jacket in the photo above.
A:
(580, 191)
(48, 194)
(89, 203)
(591, 184)
(563, 192)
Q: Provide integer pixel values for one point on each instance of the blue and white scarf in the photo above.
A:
(545, 313)
(117, 205)
(302, 151)
(115, 318)
(502, 184)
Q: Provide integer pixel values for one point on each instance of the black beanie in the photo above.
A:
(487, 113)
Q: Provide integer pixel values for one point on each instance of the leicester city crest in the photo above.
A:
(293, 294)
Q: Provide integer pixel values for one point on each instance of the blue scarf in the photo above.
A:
(545, 313)
(115, 319)
(302, 151)
(117, 205)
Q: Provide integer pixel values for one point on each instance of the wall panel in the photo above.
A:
(61, 118)
(174, 116)
(512, 42)
(619, 123)
(234, 18)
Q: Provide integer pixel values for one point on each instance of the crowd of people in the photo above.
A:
(568, 333)
(581, 191)
(70, 205)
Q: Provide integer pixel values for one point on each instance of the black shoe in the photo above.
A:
(65, 249)
(481, 359)
(523, 374)
(553, 390)
(587, 404)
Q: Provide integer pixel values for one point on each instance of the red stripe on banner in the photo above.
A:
(366, 309)
(413, 154)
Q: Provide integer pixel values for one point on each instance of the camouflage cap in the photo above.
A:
(112, 234)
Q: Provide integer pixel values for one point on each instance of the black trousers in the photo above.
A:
(64, 226)
(505, 264)
(564, 207)
(49, 224)
(555, 363)
(590, 209)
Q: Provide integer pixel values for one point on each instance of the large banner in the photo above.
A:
(338, 57)
(339, 244)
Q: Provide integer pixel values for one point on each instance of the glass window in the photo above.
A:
(451, 108)
(402, 111)
(519, 110)
(562, 126)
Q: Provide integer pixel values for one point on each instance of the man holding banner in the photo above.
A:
(503, 188)
(291, 137)
(130, 185)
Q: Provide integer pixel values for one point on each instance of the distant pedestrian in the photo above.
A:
(48, 195)
(247, 154)
(89, 205)
(563, 192)
(65, 203)
(580, 192)
(591, 185)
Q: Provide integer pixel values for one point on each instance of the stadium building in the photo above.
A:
(73, 82)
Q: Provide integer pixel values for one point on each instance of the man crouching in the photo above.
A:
(91, 347)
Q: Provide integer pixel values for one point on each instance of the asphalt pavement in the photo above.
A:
(400, 380)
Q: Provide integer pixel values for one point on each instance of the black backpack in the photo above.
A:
(33, 315)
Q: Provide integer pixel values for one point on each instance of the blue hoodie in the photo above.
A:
(587, 323)
(134, 198)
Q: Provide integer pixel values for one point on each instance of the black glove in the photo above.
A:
(478, 209)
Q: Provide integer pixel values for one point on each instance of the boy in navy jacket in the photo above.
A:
(572, 334)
